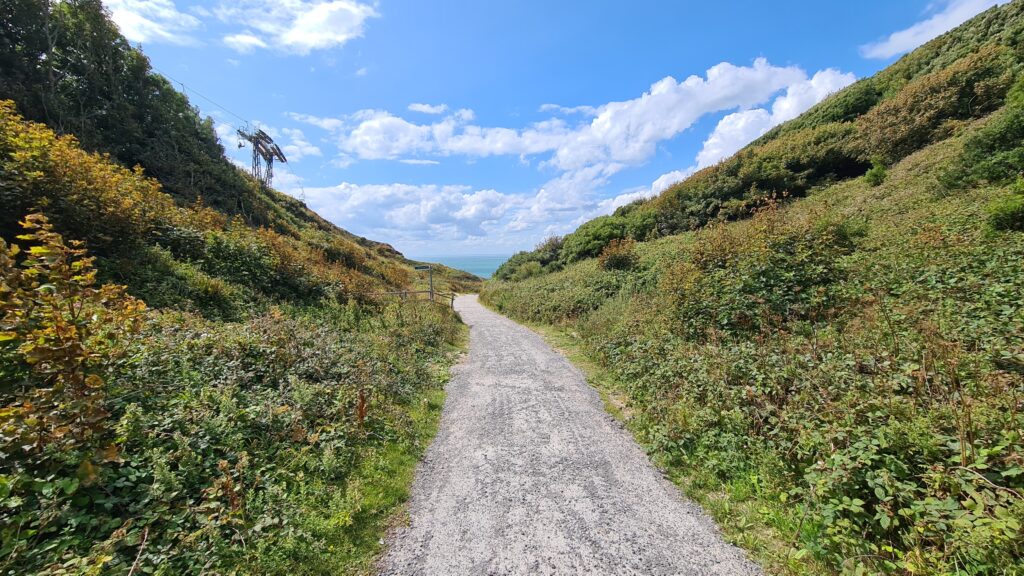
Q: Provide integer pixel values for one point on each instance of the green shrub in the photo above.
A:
(922, 111)
(239, 257)
(618, 255)
(641, 219)
(1007, 214)
(549, 250)
(786, 166)
(759, 276)
(546, 257)
(844, 106)
(589, 239)
(527, 270)
(876, 175)
(995, 153)
(571, 293)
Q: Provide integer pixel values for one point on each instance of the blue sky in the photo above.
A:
(470, 127)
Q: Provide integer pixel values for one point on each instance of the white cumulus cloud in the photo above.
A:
(412, 211)
(585, 147)
(328, 124)
(585, 153)
(955, 13)
(152, 20)
(294, 26)
(584, 110)
(244, 43)
(298, 147)
(736, 130)
(619, 132)
(428, 109)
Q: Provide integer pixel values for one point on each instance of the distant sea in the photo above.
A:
(482, 266)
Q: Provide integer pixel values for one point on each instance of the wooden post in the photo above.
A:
(430, 272)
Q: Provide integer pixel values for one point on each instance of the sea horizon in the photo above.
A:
(482, 265)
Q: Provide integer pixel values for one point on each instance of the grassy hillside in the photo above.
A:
(195, 373)
(822, 338)
(927, 96)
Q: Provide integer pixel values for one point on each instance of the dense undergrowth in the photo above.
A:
(260, 417)
(164, 442)
(840, 377)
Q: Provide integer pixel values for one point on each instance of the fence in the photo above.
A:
(428, 295)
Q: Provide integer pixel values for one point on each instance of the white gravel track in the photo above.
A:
(529, 475)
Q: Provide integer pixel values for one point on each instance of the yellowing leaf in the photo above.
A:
(110, 454)
(87, 472)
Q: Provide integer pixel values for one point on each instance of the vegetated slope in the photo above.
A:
(925, 97)
(242, 404)
(66, 65)
(837, 378)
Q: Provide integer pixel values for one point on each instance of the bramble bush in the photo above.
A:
(618, 255)
(521, 265)
(590, 238)
(1007, 214)
(787, 269)
(993, 154)
(926, 109)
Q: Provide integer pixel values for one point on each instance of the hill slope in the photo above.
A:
(65, 64)
(837, 377)
(195, 374)
(925, 97)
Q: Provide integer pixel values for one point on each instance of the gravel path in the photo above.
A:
(529, 475)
